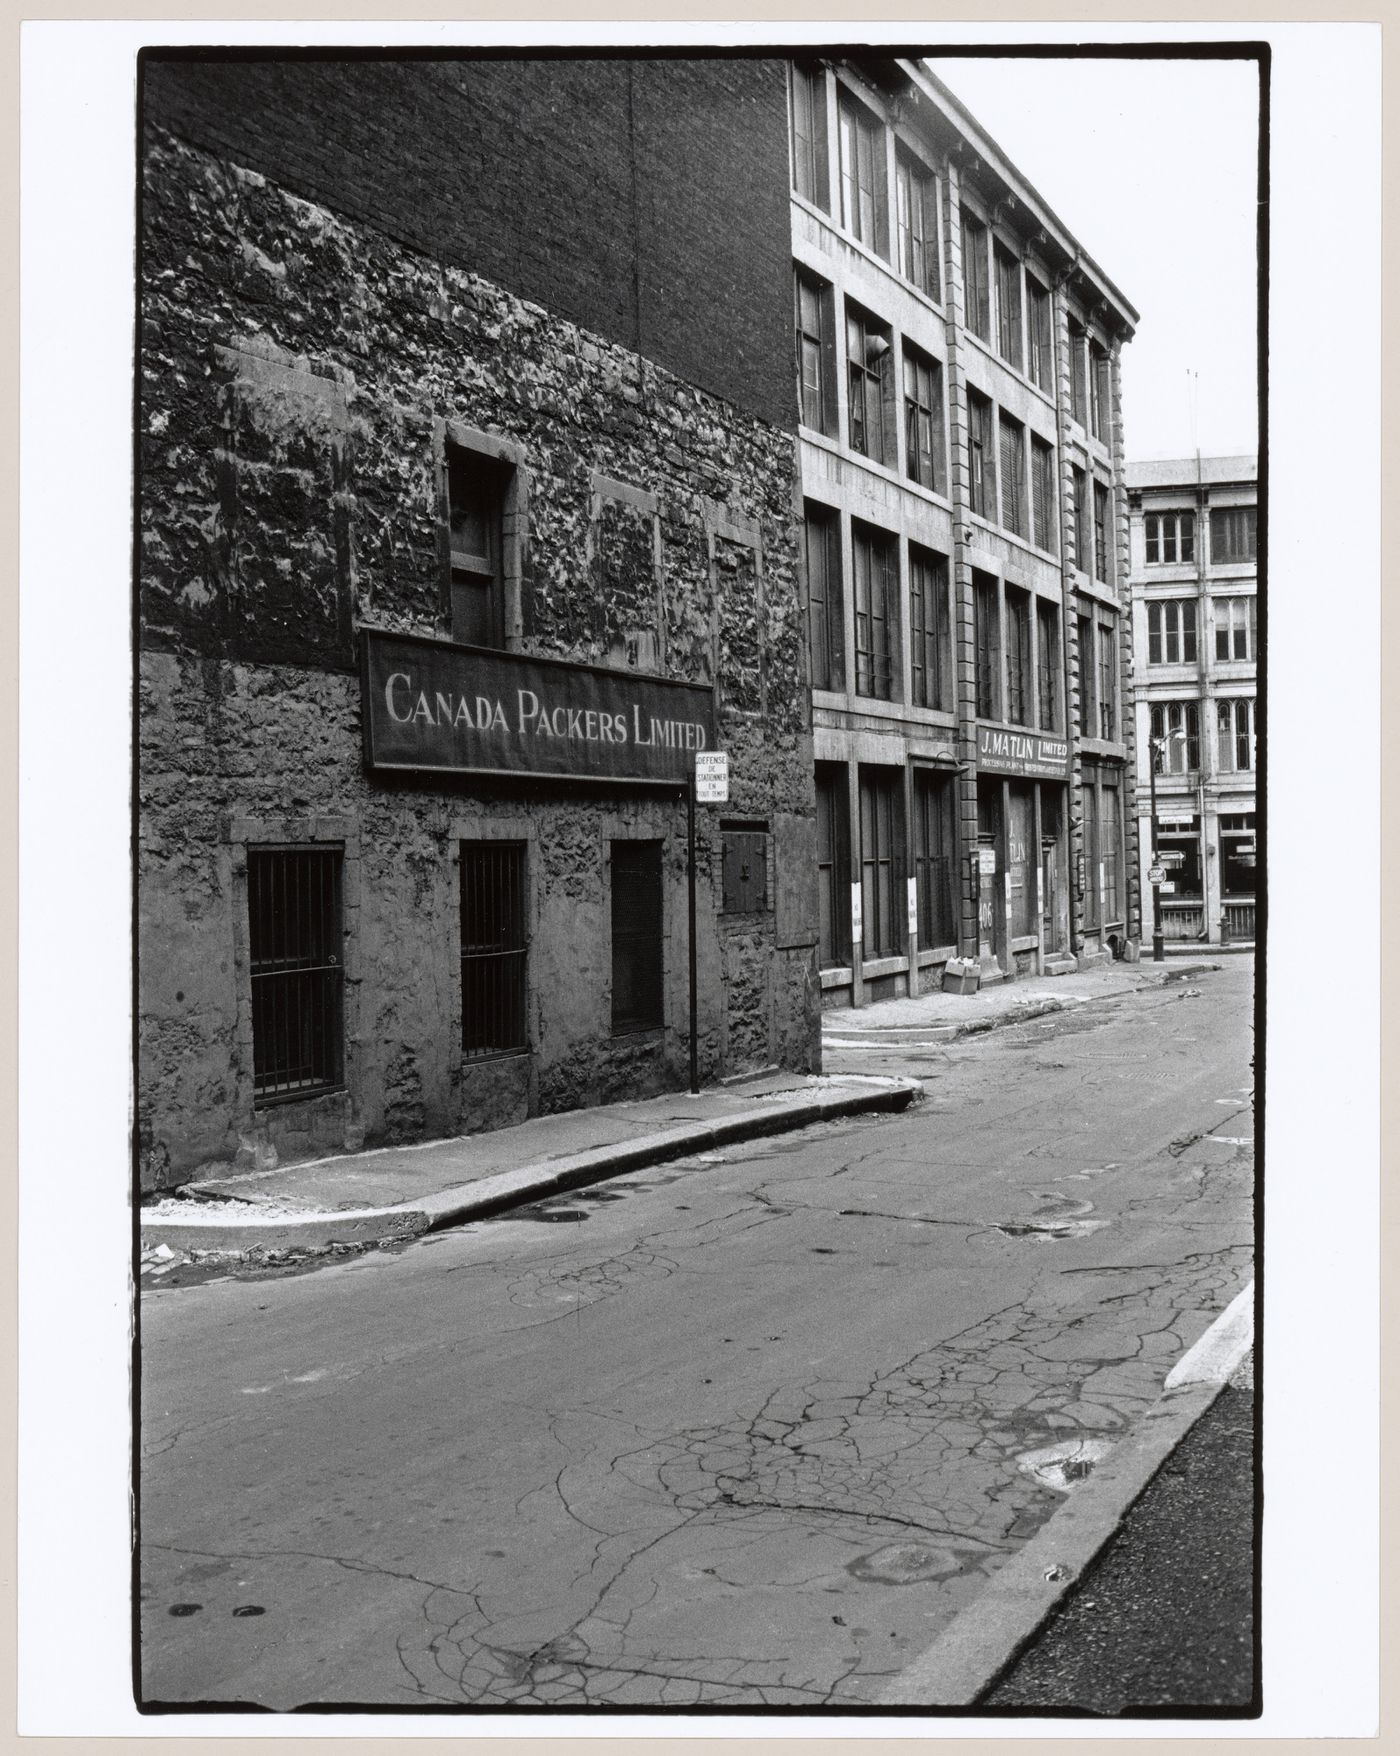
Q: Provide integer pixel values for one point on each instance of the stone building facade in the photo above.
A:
(966, 537)
(1195, 580)
(467, 514)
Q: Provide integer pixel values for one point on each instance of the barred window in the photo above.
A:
(1171, 632)
(1235, 632)
(493, 903)
(1013, 475)
(808, 119)
(1170, 537)
(976, 298)
(295, 952)
(822, 535)
(930, 657)
(923, 419)
(935, 859)
(1233, 534)
(875, 562)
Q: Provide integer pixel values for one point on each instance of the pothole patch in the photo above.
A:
(907, 1564)
(1064, 1466)
(1048, 1229)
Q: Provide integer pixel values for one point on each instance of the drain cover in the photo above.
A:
(1062, 1467)
(904, 1563)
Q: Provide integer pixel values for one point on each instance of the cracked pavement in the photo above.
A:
(743, 1430)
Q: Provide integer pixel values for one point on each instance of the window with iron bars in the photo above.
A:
(935, 859)
(494, 940)
(875, 562)
(295, 952)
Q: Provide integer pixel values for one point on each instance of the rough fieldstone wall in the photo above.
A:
(296, 371)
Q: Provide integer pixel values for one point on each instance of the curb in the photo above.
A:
(1021, 1012)
(487, 1196)
(978, 1645)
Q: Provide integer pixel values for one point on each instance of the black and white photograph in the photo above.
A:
(699, 715)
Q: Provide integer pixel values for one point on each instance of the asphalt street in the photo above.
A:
(743, 1430)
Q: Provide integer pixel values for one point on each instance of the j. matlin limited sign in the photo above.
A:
(1029, 754)
(463, 709)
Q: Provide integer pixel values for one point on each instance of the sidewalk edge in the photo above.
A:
(487, 1196)
(978, 1645)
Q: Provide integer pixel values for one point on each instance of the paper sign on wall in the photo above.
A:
(857, 924)
(913, 908)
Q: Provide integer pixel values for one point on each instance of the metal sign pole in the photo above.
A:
(690, 874)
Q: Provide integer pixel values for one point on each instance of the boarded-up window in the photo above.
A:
(637, 951)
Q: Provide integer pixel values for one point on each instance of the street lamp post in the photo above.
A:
(1155, 747)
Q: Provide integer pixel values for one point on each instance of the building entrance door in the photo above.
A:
(990, 918)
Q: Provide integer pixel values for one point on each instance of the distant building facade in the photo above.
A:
(966, 544)
(1195, 596)
(467, 515)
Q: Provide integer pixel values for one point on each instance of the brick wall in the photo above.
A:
(644, 199)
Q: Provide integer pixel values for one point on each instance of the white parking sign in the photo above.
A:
(712, 777)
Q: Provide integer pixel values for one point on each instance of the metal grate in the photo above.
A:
(295, 949)
(493, 947)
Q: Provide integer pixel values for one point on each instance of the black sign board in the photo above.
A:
(428, 705)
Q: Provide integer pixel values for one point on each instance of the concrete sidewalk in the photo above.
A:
(402, 1191)
(945, 1017)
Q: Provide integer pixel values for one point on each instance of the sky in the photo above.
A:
(1153, 166)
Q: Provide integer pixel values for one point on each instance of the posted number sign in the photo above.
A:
(712, 777)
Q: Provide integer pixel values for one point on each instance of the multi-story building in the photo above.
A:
(1195, 592)
(966, 545)
(467, 512)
